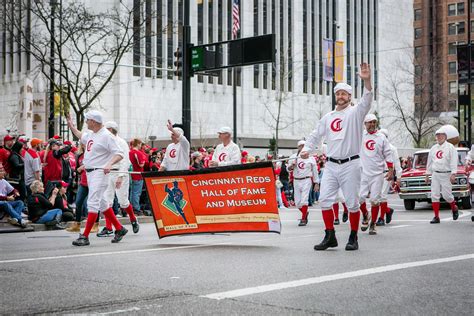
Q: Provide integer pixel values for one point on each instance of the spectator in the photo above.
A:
(5, 152)
(196, 161)
(40, 209)
(60, 201)
(245, 155)
(250, 159)
(32, 163)
(17, 170)
(155, 160)
(52, 159)
(138, 160)
(208, 158)
(7, 201)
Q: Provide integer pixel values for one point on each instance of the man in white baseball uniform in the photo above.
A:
(342, 130)
(119, 184)
(470, 157)
(386, 212)
(443, 166)
(177, 153)
(305, 173)
(227, 153)
(375, 155)
(101, 153)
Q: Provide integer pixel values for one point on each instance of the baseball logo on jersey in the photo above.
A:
(439, 154)
(222, 156)
(336, 125)
(89, 145)
(173, 153)
(301, 165)
(370, 144)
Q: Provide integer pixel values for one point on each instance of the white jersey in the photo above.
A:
(375, 154)
(470, 155)
(442, 158)
(341, 130)
(396, 161)
(100, 147)
(227, 155)
(177, 155)
(124, 164)
(303, 168)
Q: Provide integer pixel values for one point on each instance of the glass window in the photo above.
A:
(452, 67)
(417, 33)
(452, 9)
(418, 89)
(451, 29)
(472, 6)
(460, 8)
(417, 14)
(417, 52)
(461, 28)
(453, 89)
(417, 70)
(452, 48)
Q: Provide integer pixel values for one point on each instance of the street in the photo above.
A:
(410, 267)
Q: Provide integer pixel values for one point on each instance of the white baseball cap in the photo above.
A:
(95, 116)
(301, 143)
(343, 86)
(370, 117)
(384, 131)
(112, 125)
(225, 130)
(178, 130)
(441, 130)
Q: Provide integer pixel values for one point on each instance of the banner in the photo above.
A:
(339, 61)
(226, 199)
(327, 59)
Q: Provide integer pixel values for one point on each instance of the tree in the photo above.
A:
(88, 44)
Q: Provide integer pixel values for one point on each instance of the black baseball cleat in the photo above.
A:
(352, 244)
(135, 227)
(105, 233)
(345, 217)
(81, 241)
(435, 220)
(380, 222)
(455, 213)
(329, 240)
(119, 235)
(389, 215)
(303, 222)
(365, 222)
(336, 221)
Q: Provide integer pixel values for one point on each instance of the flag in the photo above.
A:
(235, 17)
(339, 61)
(327, 59)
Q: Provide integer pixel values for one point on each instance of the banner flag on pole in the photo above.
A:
(327, 59)
(238, 198)
(339, 61)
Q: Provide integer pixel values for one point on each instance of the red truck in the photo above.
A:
(413, 187)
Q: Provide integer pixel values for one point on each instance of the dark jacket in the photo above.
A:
(16, 161)
(38, 205)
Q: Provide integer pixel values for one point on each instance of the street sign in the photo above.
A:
(197, 58)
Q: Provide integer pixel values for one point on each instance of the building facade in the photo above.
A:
(145, 92)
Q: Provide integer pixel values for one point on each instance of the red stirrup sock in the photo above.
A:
(363, 209)
(304, 211)
(383, 209)
(354, 218)
(91, 218)
(109, 214)
(335, 208)
(130, 213)
(453, 205)
(374, 210)
(328, 217)
(108, 224)
(435, 206)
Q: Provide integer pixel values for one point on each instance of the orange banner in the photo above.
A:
(339, 61)
(225, 199)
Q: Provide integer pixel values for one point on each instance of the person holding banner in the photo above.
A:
(101, 154)
(305, 173)
(177, 153)
(342, 130)
(227, 153)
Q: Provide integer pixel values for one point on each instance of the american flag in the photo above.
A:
(235, 17)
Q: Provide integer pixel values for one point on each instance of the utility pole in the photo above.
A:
(186, 97)
(52, 3)
(469, 57)
(334, 28)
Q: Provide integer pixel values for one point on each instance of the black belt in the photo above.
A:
(442, 171)
(302, 178)
(341, 161)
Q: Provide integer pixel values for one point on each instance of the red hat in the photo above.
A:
(64, 184)
(8, 138)
(23, 139)
(154, 149)
(56, 137)
(202, 150)
(245, 153)
(67, 142)
(73, 149)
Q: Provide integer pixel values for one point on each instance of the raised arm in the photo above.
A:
(73, 128)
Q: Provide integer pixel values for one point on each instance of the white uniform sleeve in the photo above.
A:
(363, 107)
(185, 147)
(114, 147)
(84, 138)
(454, 160)
(125, 162)
(165, 161)
(429, 164)
(396, 162)
(291, 163)
(470, 155)
(387, 151)
(314, 170)
(314, 139)
(234, 155)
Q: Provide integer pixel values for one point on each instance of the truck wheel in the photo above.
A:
(409, 204)
(466, 202)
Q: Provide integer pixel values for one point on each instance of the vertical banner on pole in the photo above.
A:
(327, 59)
(339, 61)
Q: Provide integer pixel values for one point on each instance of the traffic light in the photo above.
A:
(178, 63)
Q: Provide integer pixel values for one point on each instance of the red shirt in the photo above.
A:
(53, 170)
(83, 178)
(137, 157)
(4, 154)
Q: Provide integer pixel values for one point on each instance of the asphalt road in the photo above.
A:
(410, 267)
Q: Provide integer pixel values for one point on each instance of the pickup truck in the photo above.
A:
(413, 187)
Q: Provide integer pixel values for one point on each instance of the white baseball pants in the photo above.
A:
(122, 192)
(371, 186)
(440, 185)
(345, 176)
(301, 191)
(97, 182)
(385, 188)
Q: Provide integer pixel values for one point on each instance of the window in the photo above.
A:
(417, 52)
(472, 6)
(452, 67)
(460, 8)
(461, 27)
(417, 70)
(451, 9)
(417, 14)
(452, 48)
(472, 24)
(417, 33)
(453, 87)
(451, 29)
(418, 89)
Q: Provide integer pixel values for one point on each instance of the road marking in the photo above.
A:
(331, 277)
(463, 214)
(400, 226)
(120, 311)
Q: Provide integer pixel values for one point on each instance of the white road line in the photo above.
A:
(463, 214)
(120, 311)
(332, 277)
(400, 226)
